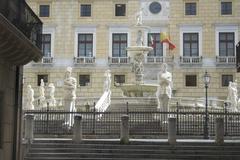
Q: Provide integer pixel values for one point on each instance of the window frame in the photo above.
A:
(191, 76)
(85, 42)
(45, 43)
(120, 43)
(125, 10)
(223, 11)
(49, 10)
(191, 5)
(85, 83)
(191, 42)
(191, 29)
(81, 10)
(119, 75)
(46, 80)
(222, 82)
(154, 35)
(226, 41)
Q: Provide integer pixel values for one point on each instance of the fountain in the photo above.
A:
(137, 53)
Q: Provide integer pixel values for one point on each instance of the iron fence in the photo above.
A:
(145, 123)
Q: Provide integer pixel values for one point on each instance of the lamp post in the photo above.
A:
(206, 80)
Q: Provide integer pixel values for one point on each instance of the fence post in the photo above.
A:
(127, 108)
(124, 135)
(47, 118)
(77, 129)
(177, 119)
(94, 117)
(226, 118)
(219, 130)
(29, 120)
(172, 130)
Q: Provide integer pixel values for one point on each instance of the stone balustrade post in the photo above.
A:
(124, 135)
(77, 129)
(172, 130)
(219, 130)
(29, 125)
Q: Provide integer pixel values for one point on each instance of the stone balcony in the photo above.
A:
(84, 60)
(118, 60)
(193, 60)
(225, 60)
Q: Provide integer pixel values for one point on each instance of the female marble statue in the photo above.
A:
(164, 92)
(107, 82)
(70, 85)
(29, 98)
(52, 100)
(233, 95)
(42, 94)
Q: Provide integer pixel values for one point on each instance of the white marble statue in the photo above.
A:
(164, 92)
(29, 98)
(70, 85)
(107, 82)
(139, 38)
(52, 100)
(233, 95)
(139, 17)
(42, 102)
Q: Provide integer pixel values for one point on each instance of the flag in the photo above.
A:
(164, 38)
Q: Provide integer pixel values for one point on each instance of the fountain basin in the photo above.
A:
(138, 90)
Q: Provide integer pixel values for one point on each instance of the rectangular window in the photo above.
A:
(190, 44)
(84, 80)
(226, 79)
(42, 76)
(191, 80)
(46, 45)
(190, 8)
(86, 10)
(154, 41)
(226, 44)
(120, 9)
(226, 8)
(44, 10)
(119, 79)
(119, 44)
(85, 45)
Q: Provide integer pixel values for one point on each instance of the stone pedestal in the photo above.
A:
(29, 124)
(172, 131)
(124, 135)
(69, 105)
(219, 130)
(77, 129)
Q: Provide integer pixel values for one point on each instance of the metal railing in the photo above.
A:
(22, 16)
(190, 60)
(119, 60)
(158, 60)
(144, 123)
(226, 60)
(84, 60)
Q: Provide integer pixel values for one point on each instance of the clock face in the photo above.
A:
(155, 7)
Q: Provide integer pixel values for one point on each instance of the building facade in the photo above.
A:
(91, 36)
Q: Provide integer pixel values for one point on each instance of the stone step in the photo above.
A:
(137, 156)
(139, 151)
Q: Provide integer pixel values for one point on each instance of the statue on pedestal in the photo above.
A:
(52, 100)
(164, 92)
(233, 95)
(42, 95)
(70, 85)
(29, 98)
(107, 82)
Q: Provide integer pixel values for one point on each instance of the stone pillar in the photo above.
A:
(29, 125)
(77, 129)
(124, 135)
(219, 130)
(172, 130)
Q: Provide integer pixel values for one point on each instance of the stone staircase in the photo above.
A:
(136, 150)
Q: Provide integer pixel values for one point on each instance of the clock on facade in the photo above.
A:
(155, 7)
